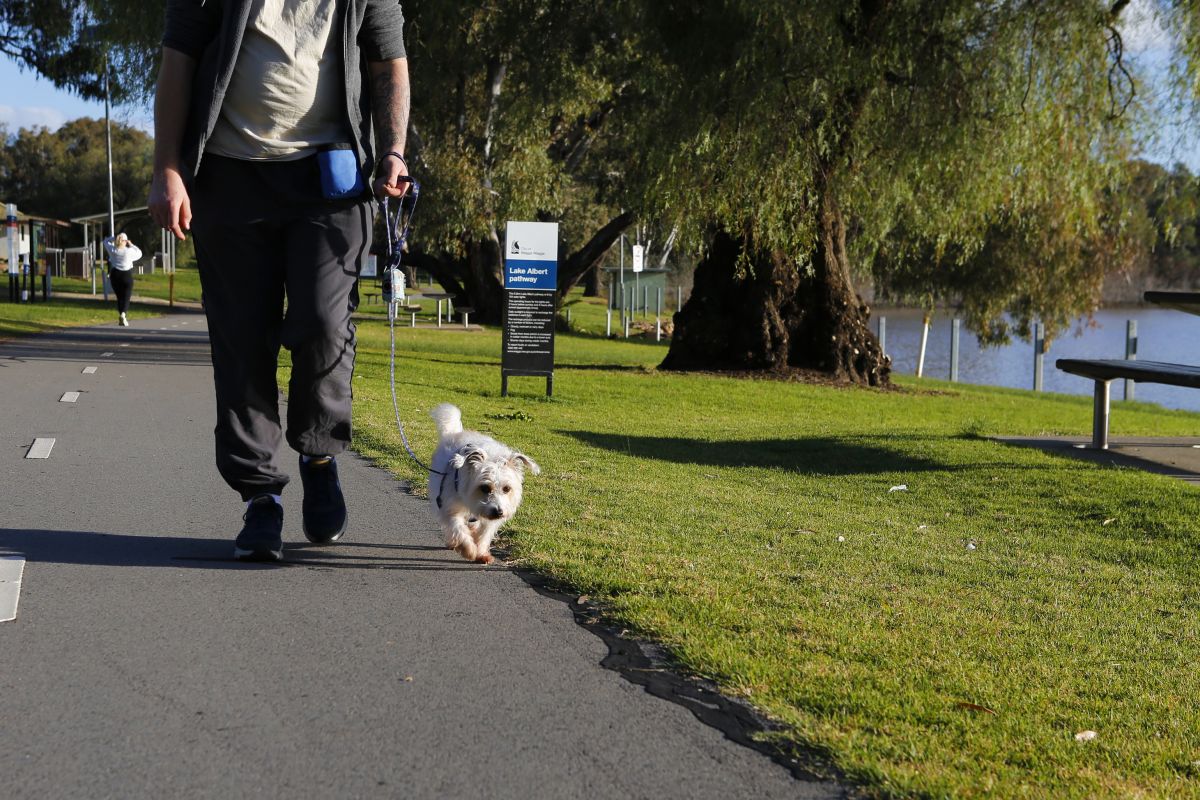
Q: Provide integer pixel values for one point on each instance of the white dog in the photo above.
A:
(475, 484)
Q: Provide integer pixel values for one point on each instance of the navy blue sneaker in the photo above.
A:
(324, 507)
(261, 538)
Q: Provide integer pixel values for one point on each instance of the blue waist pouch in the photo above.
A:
(340, 175)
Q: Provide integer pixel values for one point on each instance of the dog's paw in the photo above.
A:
(486, 559)
(466, 548)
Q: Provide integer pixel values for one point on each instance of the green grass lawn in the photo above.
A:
(948, 640)
(17, 319)
(158, 285)
(749, 526)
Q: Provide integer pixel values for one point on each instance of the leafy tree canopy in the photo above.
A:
(910, 136)
(67, 42)
(63, 174)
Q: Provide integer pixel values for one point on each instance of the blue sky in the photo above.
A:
(27, 100)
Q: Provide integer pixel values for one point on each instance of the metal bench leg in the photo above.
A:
(466, 319)
(1100, 416)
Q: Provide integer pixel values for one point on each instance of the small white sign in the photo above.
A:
(370, 268)
(639, 258)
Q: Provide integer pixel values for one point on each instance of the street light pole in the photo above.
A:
(112, 223)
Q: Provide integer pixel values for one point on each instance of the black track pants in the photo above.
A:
(263, 235)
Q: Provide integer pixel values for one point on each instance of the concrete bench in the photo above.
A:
(466, 315)
(1104, 371)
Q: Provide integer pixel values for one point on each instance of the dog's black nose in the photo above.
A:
(494, 513)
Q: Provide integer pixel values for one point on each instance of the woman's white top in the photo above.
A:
(121, 258)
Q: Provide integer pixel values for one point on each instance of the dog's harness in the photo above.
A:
(442, 484)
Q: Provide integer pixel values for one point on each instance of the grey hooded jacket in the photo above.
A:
(210, 31)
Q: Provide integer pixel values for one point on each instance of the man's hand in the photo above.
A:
(391, 178)
(170, 206)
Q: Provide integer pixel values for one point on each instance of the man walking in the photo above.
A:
(263, 144)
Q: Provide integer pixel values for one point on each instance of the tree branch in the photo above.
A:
(578, 263)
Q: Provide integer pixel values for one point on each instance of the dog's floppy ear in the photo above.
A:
(468, 454)
(522, 460)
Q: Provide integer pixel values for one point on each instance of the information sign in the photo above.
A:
(639, 258)
(530, 282)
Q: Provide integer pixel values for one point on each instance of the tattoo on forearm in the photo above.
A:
(390, 100)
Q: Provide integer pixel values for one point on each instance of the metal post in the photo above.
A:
(1100, 416)
(1039, 358)
(678, 298)
(1131, 338)
(924, 343)
(658, 302)
(658, 329)
(883, 336)
(87, 255)
(608, 322)
(112, 223)
(954, 350)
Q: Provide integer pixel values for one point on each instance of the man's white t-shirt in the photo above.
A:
(286, 95)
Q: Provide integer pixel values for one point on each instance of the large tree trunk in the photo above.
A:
(773, 316)
(474, 280)
(591, 281)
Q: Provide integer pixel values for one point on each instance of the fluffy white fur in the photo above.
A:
(479, 486)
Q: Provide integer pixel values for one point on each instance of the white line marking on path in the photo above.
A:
(89, 370)
(105, 355)
(11, 568)
(69, 397)
(40, 448)
(125, 344)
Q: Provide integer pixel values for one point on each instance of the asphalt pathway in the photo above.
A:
(145, 662)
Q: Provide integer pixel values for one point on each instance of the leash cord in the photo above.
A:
(396, 238)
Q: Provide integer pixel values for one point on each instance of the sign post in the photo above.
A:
(639, 263)
(14, 258)
(530, 282)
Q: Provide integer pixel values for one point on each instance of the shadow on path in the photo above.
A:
(125, 550)
(138, 345)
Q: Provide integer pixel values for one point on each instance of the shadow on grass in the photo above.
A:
(818, 456)
(565, 367)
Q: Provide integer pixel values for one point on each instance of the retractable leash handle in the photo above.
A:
(397, 231)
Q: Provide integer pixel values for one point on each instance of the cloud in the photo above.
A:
(31, 116)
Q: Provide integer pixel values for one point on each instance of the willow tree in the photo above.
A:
(512, 106)
(809, 132)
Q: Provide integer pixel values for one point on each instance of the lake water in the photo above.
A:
(1163, 335)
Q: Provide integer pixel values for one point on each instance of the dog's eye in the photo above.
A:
(485, 488)
(507, 489)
